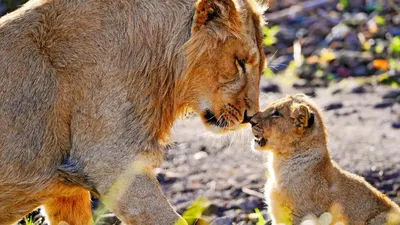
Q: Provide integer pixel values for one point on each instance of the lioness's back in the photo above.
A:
(47, 50)
(27, 95)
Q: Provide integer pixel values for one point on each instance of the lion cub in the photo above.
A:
(304, 181)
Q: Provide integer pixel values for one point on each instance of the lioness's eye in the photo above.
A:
(276, 114)
(242, 63)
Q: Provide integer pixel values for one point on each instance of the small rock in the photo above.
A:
(396, 19)
(387, 186)
(302, 84)
(230, 213)
(319, 28)
(360, 71)
(394, 31)
(166, 178)
(336, 91)
(200, 155)
(109, 218)
(384, 104)
(310, 92)
(334, 106)
(392, 94)
(286, 35)
(338, 32)
(343, 71)
(372, 26)
(352, 42)
(214, 209)
(358, 90)
(222, 221)
(357, 4)
(307, 71)
(272, 88)
(250, 205)
(396, 125)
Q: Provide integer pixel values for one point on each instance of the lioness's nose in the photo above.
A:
(246, 118)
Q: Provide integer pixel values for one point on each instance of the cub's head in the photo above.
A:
(225, 60)
(291, 123)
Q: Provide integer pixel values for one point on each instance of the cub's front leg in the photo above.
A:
(279, 208)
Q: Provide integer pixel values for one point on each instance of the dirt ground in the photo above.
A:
(224, 170)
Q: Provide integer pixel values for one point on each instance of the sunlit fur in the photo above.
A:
(303, 178)
(89, 86)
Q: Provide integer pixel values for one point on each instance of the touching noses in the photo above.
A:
(246, 118)
(254, 120)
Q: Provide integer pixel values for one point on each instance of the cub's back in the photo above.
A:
(358, 198)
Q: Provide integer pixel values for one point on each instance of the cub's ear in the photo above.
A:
(302, 116)
(216, 15)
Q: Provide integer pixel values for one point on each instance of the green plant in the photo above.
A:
(261, 220)
(395, 45)
(29, 221)
(270, 35)
(380, 20)
(195, 211)
(268, 72)
(344, 3)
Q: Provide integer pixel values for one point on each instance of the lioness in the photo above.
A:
(303, 178)
(89, 90)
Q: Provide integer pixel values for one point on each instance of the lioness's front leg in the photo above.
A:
(129, 188)
(142, 203)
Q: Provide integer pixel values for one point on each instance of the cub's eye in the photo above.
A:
(242, 64)
(276, 114)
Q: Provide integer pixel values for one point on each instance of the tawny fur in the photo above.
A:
(89, 90)
(303, 179)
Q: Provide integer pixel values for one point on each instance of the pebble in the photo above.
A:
(384, 104)
(338, 32)
(351, 42)
(358, 90)
(396, 125)
(360, 71)
(392, 94)
(394, 31)
(214, 209)
(396, 20)
(200, 155)
(343, 71)
(249, 205)
(223, 221)
(310, 92)
(334, 106)
(320, 28)
(337, 91)
(166, 178)
(271, 88)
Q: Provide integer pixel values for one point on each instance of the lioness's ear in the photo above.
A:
(302, 116)
(216, 14)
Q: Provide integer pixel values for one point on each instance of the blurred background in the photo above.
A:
(345, 54)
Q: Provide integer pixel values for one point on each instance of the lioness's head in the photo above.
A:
(225, 60)
(291, 123)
